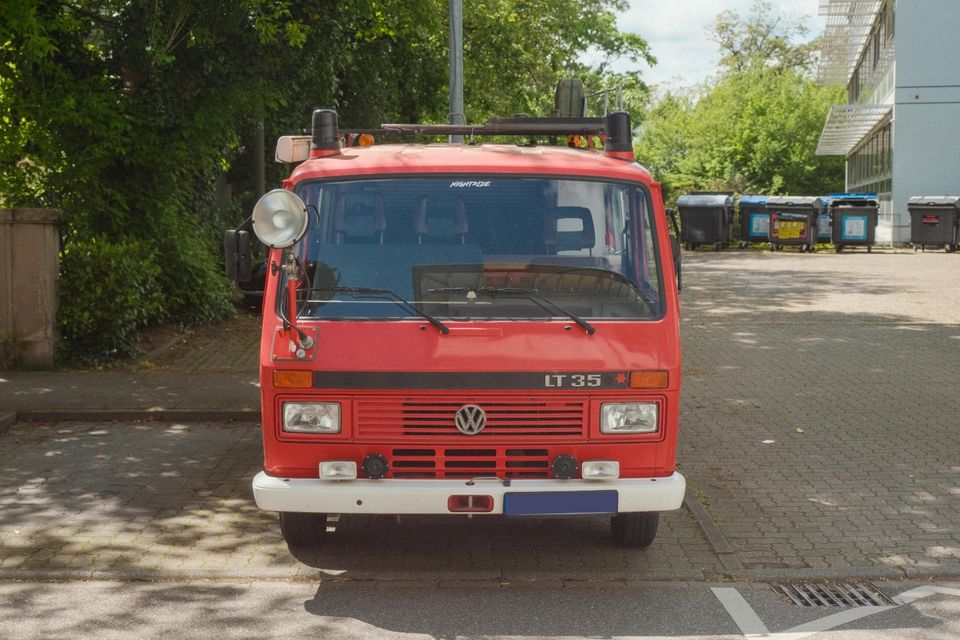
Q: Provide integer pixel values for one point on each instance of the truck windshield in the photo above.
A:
(479, 248)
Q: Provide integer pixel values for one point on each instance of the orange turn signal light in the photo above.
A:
(292, 379)
(365, 140)
(649, 379)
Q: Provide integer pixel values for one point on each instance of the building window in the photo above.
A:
(870, 167)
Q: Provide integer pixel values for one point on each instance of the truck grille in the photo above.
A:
(394, 419)
(450, 462)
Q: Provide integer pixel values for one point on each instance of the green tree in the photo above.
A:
(752, 129)
(765, 37)
(516, 51)
(135, 118)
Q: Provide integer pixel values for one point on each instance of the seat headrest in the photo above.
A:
(441, 217)
(359, 217)
(569, 229)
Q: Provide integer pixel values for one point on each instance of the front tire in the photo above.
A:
(302, 529)
(635, 530)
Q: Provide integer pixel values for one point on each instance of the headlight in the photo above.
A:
(629, 417)
(311, 417)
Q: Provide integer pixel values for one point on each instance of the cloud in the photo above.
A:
(677, 31)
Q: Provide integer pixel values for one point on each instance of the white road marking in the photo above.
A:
(751, 626)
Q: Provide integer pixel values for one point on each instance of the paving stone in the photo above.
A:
(847, 363)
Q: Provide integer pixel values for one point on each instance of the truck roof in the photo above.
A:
(394, 159)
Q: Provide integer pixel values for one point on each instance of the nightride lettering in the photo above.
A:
(466, 184)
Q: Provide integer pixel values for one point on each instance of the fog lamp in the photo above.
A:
(338, 470)
(600, 470)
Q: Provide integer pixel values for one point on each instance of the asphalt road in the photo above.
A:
(280, 609)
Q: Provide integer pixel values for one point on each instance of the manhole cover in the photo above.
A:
(821, 594)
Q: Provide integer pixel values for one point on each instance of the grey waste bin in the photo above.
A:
(933, 221)
(793, 221)
(854, 218)
(705, 218)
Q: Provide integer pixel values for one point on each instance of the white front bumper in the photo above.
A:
(309, 495)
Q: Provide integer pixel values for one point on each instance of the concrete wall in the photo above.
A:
(926, 148)
(29, 245)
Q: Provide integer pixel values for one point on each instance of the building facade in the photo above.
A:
(900, 128)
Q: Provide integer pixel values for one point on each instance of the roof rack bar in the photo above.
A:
(508, 127)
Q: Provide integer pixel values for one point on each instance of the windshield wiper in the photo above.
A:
(545, 303)
(367, 291)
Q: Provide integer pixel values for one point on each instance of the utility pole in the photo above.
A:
(259, 151)
(456, 67)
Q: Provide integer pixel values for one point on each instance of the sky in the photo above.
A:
(676, 31)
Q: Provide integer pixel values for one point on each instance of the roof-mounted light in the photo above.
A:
(326, 136)
(280, 219)
(292, 148)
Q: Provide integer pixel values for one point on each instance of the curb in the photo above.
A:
(136, 415)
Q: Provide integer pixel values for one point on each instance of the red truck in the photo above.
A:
(484, 329)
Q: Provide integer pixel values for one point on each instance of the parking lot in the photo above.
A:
(818, 435)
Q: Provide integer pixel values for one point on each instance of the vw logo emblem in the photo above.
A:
(470, 419)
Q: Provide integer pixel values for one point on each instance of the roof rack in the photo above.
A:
(508, 127)
(615, 127)
(326, 136)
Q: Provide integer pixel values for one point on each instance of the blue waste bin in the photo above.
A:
(824, 226)
(754, 220)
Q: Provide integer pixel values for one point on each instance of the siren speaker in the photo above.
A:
(280, 218)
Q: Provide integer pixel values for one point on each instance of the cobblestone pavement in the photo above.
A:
(821, 408)
(172, 499)
(819, 431)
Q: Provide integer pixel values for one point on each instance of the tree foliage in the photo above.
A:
(752, 129)
(136, 118)
(765, 37)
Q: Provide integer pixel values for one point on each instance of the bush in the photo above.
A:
(108, 290)
(191, 276)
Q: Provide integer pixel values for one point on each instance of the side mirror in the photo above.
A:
(237, 258)
(675, 245)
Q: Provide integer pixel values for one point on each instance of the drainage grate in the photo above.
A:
(820, 594)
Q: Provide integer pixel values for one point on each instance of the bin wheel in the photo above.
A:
(302, 529)
(636, 530)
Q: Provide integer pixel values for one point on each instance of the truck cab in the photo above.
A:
(482, 329)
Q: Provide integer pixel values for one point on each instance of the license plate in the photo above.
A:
(556, 503)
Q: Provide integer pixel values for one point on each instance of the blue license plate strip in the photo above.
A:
(558, 503)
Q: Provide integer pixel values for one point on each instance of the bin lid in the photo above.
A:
(794, 201)
(932, 201)
(753, 200)
(835, 200)
(859, 196)
(705, 200)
